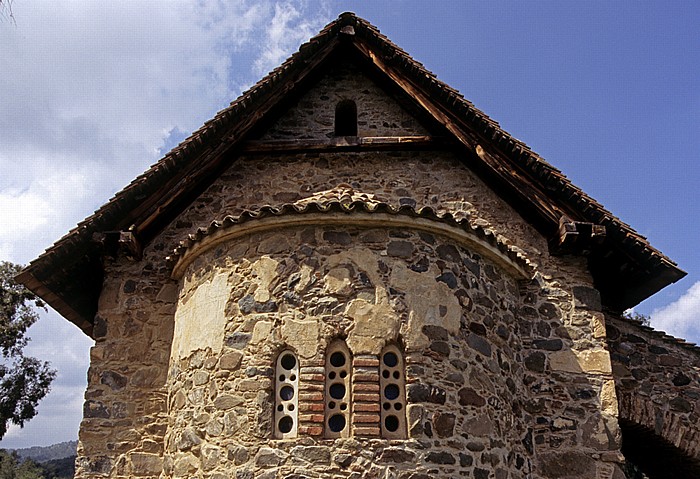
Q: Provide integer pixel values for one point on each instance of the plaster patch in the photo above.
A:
(338, 281)
(424, 297)
(200, 321)
(266, 270)
(302, 335)
(366, 261)
(373, 326)
(261, 331)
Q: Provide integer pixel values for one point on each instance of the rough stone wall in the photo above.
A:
(563, 384)
(453, 312)
(658, 383)
(125, 410)
(569, 377)
(313, 116)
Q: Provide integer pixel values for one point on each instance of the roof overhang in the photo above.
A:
(625, 267)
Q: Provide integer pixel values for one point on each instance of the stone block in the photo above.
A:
(535, 362)
(143, 464)
(228, 401)
(230, 361)
(396, 455)
(587, 297)
(313, 454)
(268, 457)
(400, 249)
(566, 465)
(440, 457)
(185, 465)
(469, 397)
(479, 344)
(548, 344)
(587, 361)
(418, 392)
(238, 340)
(444, 424)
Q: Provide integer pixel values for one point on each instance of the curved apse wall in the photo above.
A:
(448, 311)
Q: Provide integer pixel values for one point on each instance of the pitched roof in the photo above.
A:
(625, 267)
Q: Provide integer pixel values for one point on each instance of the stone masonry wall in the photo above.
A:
(453, 313)
(658, 383)
(565, 370)
(569, 378)
(125, 410)
(313, 116)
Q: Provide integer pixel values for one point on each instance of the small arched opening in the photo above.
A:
(286, 395)
(392, 392)
(338, 383)
(346, 118)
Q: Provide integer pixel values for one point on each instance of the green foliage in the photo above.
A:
(24, 380)
(642, 319)
(58, 468)
(12, 467)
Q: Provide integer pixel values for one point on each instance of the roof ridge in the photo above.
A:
(146, 202)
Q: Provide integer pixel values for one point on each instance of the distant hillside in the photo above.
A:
(59, 468)
(39, 454)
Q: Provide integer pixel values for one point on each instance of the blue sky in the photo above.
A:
(93, 93)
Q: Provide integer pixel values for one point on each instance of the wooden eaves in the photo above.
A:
(625, 267)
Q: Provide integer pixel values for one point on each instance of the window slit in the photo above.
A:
(286, 395)
(337, 397)
(392, 386)
(346, 118)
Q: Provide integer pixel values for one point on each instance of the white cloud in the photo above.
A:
(682, 317)
(288, 28)
(67, 349)
(37, 212)
(92, 94)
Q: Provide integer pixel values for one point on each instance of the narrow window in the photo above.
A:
(392, 385)
(346, 118)
(337, 395)
(286, 395)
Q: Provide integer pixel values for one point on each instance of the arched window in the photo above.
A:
(392, 386)
(337, 397)
(286, 395)
(346, 118)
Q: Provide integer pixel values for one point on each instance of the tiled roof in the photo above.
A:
(347, 202)
(68, 275)
(657, 334)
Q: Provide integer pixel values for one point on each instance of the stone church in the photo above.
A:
(352, 272)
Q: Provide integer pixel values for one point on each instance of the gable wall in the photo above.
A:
(313, 116)
(564, 400)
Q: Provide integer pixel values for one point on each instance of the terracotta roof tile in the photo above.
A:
(197, 156)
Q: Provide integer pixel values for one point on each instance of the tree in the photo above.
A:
(12, 467)
(24, 380)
